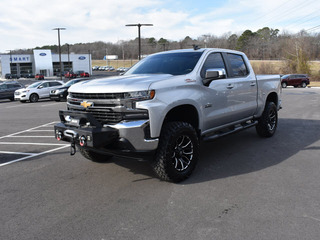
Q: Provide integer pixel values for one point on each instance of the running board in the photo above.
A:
(229, 130)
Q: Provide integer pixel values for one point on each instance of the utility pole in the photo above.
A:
(58, 29)
(139, 34)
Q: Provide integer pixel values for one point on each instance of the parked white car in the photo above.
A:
(36, 90)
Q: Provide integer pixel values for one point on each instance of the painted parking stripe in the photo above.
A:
(18, 153)
(45, 105)
(36, 155)
(31, 137)
(40, 130)
(36, 144)
(44, 125)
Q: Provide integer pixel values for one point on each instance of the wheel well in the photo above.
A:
(184, 113)
(273, 97)
(34, 94)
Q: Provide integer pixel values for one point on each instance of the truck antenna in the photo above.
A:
(195, 47)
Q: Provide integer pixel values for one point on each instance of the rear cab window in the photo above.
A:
(237, 65)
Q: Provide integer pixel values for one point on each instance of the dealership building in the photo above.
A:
(43, 62)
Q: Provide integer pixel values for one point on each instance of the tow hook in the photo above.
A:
(59, 136)
(73, 135)
(73, 147)
(82, 141)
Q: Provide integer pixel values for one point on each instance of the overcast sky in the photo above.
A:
(29, 23)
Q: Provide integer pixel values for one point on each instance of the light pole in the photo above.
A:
(68, 57)
(10, 58)
(139, 37)
(58, 29)
(89, 62)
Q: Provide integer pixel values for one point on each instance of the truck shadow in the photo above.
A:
(244, 152)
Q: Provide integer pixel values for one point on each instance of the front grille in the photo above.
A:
(102, 115)
(107, 108)
(97, 95)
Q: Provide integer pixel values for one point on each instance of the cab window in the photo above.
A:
(214, 60)
(238, 66)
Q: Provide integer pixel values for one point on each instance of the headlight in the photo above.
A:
(140, 95)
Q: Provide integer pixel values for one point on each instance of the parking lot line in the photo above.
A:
(37, 144)
(44, 125)
(40, 130)
(31, 136)
(19, 153)
(50, 104)
(35, 155)
(16, 106)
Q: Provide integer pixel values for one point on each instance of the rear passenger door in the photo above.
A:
(233, 98)
(43, 90)
(243, 88)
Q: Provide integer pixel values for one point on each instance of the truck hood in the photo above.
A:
(118, 84)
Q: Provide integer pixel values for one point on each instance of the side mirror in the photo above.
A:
(214, 74)
(40, 87)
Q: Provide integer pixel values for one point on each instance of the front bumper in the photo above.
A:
(86, 131)
(57, 97)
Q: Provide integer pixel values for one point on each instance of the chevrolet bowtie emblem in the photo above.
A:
(86, 104)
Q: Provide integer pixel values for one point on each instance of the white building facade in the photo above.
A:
(44, 62)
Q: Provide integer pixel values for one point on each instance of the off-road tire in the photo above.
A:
(177, 153)
(94, 156)
(268, 122)
(34, 98)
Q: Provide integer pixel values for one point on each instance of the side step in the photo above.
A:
(229, 130)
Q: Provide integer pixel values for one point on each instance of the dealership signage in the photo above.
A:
(82, 58)
(20, 59)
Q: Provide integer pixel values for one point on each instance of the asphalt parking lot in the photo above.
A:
(244, 187)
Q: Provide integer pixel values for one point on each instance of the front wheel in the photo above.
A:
(34, 98)
(177, 153)
(284, 85)
(268, 122)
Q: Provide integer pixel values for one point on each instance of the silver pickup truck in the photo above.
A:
(166, 104)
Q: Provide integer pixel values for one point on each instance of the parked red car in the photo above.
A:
(70, 75)
(84, 74)
(39, 77)
(295, 80)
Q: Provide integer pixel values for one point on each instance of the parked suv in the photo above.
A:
(295, 80)
(36, 90)
(61, 92)
(7, 89)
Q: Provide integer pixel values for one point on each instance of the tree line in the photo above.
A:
(264, 44)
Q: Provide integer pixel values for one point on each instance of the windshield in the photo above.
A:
(285, 76)
(34, 85)
(167, 63)
(69, 83)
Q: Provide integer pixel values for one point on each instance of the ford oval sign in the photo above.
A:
(82, 58)
(42, 54)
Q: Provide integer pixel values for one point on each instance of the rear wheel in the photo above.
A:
(268, 122)
(34, 98)
(177, 153)
(94, 156)
(303, 84)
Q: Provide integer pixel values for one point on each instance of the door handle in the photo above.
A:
(230, 86)
(252, 84)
